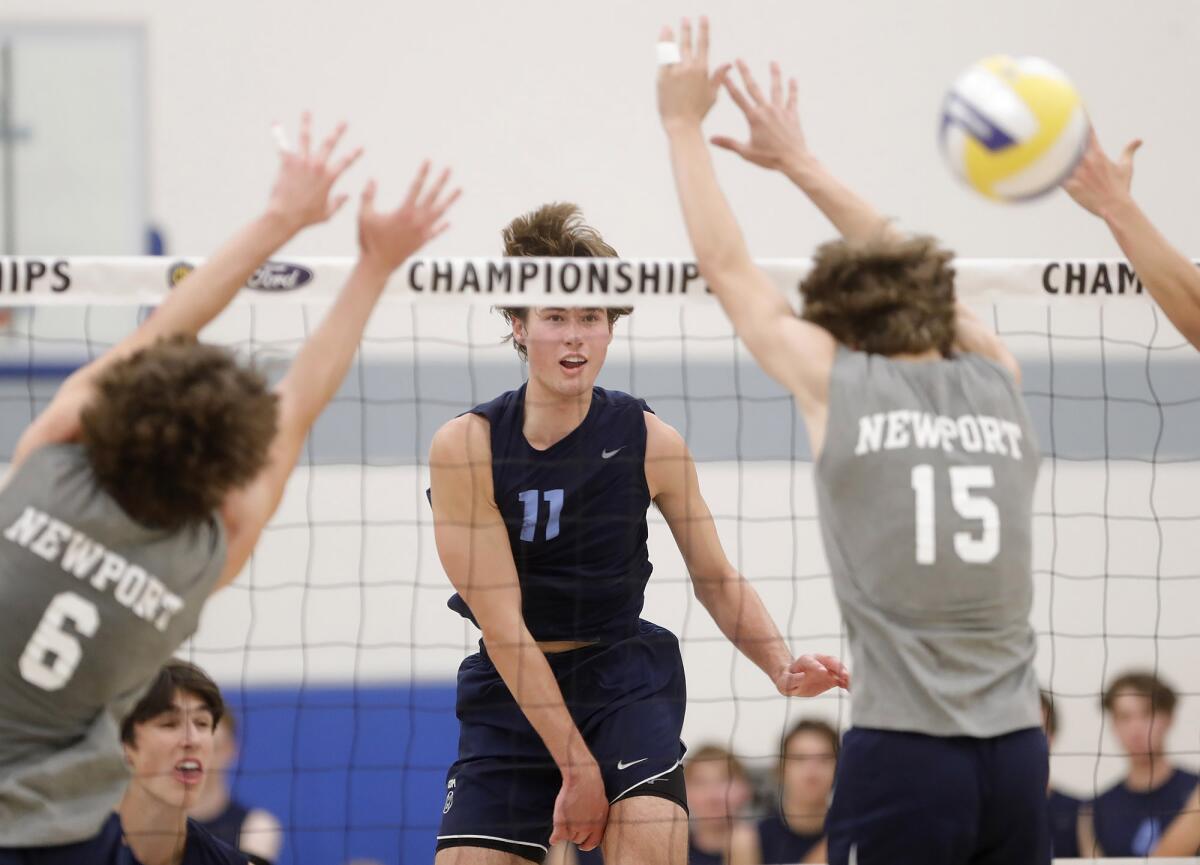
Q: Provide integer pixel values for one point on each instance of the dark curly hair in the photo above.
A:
(555, 230)
(883, 297)
(174, 427)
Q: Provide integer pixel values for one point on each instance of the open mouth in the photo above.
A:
(572, 362)
(189, 772)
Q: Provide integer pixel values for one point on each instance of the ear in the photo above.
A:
(518, 331)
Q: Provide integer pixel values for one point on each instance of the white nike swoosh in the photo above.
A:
(606, 455)
(620, 764)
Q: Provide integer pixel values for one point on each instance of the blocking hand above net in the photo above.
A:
(143, 487)
(1103, 187)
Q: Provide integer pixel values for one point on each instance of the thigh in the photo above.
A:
(476, 856)
(1015, 822)
(646, 830)
(903, 798)
(639, 701)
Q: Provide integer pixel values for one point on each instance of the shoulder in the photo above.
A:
(662, 439)
(212, 850)
(619, 401)
(463, 436)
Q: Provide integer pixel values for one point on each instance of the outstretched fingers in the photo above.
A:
(751, 85)
(418, 183)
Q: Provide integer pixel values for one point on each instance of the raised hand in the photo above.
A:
(776, 139)
(302, 192)
(686, 91)
(810, 675)
(1098, 183)
(387, 238)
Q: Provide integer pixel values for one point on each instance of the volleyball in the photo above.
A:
(1013, 128)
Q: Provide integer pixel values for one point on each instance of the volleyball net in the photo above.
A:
(336, 645)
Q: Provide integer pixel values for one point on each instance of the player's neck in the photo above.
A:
(918, 357)
(155, 832)
(804, 818)
(213, 799)
(551, 417)
(1148, 772)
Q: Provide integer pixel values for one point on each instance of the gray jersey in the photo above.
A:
(925, 491)
(91, 606)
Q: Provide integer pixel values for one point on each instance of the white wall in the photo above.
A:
(543, 99)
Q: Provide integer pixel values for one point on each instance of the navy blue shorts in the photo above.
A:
(626, 698)
(909, 798)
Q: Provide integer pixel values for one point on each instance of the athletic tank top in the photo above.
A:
(1131, 822)
(576, 517)
(779, 845)
(91, 606)
(925, 493)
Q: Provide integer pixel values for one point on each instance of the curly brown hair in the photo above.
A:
(883, 297)
(554, 230)
(174, 427)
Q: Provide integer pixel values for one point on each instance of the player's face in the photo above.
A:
(566, 347)
(808, 769)
(1140, 730)
(713, 794)
(172, 752)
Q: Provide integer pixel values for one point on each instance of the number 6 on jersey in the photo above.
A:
(53, 652)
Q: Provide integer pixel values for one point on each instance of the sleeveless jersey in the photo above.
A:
(925, 493)
(108, 847)
(576, 517)
(91, 606)
(1132, 822)
(779, 845)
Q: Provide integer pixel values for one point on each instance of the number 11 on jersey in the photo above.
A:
(532, 502)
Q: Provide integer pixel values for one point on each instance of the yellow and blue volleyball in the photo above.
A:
(1013, 127)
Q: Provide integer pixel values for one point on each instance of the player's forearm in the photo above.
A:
(321, 364)
(740, 614)
(853, 216)
(715, 236)
(525, 670)
(1172, 280)
(210, 287)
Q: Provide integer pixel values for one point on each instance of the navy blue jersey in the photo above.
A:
(576, 517)
(1131, 823)
(779, 845)
(1064, 824)
(696, 856)
(109, 848)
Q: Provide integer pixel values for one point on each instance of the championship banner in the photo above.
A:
(42, 281)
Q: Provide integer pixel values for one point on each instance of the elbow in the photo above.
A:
(713, 588)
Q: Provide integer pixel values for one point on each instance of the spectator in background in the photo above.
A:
(1064, 809)
(795, 832)
(254, 831)
(1128, 819)
(718, 791)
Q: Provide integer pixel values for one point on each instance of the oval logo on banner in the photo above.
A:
(279, 276)
(272, 276)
